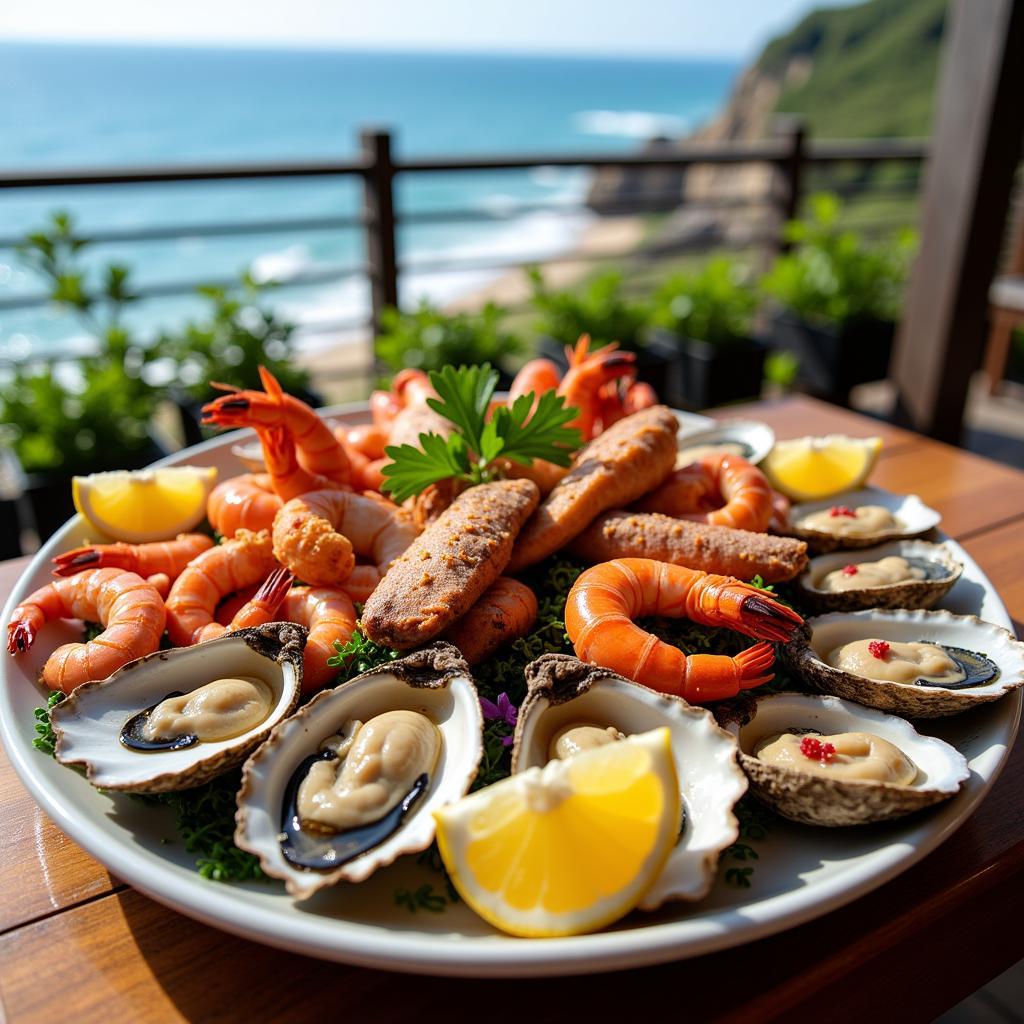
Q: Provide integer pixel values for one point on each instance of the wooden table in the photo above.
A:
(75, 943)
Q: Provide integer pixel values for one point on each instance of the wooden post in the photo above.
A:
(379, 211)
(794, 131)
(976, 145)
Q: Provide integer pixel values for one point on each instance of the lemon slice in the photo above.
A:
(812, 468)
(145, 505)
(570, 847)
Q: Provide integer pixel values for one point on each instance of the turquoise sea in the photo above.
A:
(88, 106)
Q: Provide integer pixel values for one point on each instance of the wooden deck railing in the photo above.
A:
(790, 153)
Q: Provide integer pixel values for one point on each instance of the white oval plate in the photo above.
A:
(802, 872)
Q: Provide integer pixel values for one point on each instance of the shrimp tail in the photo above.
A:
(72, 562)
(754, 664)
(20, 637)
(274, 588)
(768, 620)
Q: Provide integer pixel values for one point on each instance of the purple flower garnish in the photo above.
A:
(504, 711)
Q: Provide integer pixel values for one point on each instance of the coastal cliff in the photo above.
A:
(862, 71)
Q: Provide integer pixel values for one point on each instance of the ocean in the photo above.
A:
(87, 106)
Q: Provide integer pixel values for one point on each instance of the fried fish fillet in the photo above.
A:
(629, 459)
(717, 549)
(450, 564)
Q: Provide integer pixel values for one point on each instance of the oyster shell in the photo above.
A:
(434, 681)
(750, 438)
(88, 725)
(941, 568)
(819, 635)
(818, 800)
(913, 515)
(563, 690)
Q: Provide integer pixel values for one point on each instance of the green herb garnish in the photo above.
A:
(469, 453)
(45, 741)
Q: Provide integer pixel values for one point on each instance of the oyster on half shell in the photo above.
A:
(913, 519)
(814, 799)
(960, 635)
(89, 724)
(434, 682)
(941, 570)
(563, 691)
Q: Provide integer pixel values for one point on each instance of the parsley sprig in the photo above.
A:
(469, 453)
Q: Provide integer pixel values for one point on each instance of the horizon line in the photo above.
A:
(307, 46)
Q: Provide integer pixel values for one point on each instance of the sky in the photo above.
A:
(725, 28)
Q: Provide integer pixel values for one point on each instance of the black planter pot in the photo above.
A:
(48, 495)
(655, 361)
(834, 358)
(708, 375)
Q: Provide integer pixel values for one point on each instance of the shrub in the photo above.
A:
(715, 304)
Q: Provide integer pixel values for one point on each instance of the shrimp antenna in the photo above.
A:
(217, 385)
(271, 385)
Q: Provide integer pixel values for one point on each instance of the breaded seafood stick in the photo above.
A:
(629, 459)
(716, 549)
(444, 571)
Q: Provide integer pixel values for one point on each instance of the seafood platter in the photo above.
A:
(460, 682)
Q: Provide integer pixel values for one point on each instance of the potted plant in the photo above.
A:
(428, 339)
(838, 298)
(228, 346)
(708, 316)
(601, 309)
(66, 418)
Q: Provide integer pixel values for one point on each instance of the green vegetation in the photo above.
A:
(714, 304)
(429, 339)
(599, 308)
(520, 432)
(229, 345)
(96, 417)
(832, 275)
(871, 68)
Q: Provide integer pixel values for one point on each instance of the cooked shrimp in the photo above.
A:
(159, 563)
(318, 449)
(538, 376)
(721, 490)
(415, 417)
(260, 608)
(287, 476)
(367, 438)
(330, 616)
(606, 598)
(505, 611)
(627, 460)
(245, 559)
(130, 610)
(319, 534)
(366, 470)
(588, 373)
(245, 502)
(233, 603)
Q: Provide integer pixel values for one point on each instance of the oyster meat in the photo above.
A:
(860, 519)
(925, 664)
(843, 764)
(349, 783)
(572, 705)
(901, 574)
(178, 718)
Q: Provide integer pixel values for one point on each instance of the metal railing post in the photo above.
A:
(379, 212)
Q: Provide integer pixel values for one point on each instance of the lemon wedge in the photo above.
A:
(570, 847)
(812, 468)
(144, 505)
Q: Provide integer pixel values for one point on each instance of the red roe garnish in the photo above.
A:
(878, 649)
(850, 570)
(813, 749)
(842, 510)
